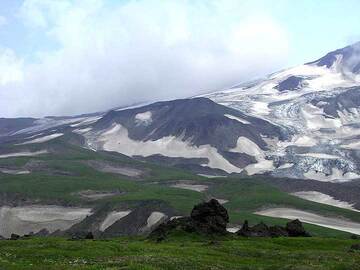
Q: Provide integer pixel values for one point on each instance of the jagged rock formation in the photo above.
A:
(293, 229)
(206, 218)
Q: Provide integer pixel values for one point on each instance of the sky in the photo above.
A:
(66, 57)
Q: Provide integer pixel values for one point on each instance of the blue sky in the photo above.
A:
(66, 57)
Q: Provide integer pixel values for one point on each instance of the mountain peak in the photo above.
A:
(347, 58)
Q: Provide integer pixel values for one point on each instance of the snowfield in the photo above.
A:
(24, 154)
(194, 187)
(311, 218)
(117, 139)
(144, 118)
(26, 219)
(43, 139)
(319, 197)
(111, 218)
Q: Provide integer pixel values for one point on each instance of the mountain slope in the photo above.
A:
(318, 104)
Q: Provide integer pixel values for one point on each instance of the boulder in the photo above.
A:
(82, 236)
(259, 230)
(355, 247)
(293, 228)
(210, 217)
(207, 218)
(14, 236)
(278, 231)
(296, 229)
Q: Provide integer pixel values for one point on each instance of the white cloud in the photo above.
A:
(116, 54)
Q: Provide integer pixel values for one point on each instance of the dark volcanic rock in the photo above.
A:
(278, 231)
(82, 236)
(259, 230)
(206, 218)
(355, 247)
(295, 228)
(14, 236)
(210, 217)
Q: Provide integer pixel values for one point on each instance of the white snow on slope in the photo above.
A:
(24, 154)
(111, 218)
(194, 187)
(311, 218)
(319, 156)
(144, 118)
(82, 130)
(86, 121)
(246, 146)
(154, 219)
(43, 139)
(319, 197)
(14, 172)
(26, 219)
(336, 176)
(316, 119)
(117, 139)
(243, 121)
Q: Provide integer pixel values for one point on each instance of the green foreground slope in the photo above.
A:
(180, 252)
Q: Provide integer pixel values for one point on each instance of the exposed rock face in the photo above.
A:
(14, 236)
(293, 228)
(206, 218)
(210, 217)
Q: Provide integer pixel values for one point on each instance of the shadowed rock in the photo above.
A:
(293, 228)
(14, 236)
(206, 218)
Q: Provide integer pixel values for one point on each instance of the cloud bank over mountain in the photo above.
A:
(105, 54)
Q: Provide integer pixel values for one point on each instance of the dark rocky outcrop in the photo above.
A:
(210, 217)
(82, 236)
(14, 236)
(207, 218)
(293, 229)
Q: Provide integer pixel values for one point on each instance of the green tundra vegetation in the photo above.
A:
(328, 249)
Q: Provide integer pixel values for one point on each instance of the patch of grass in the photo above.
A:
(180, 253)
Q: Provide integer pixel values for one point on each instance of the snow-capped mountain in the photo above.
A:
(301, 122)
(318, 103)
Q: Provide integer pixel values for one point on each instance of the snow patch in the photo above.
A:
(154, 219)
(319, 155)
(246, 146)
(311, 218)
(144, 118)
(198, 188)
(336, 176)
(111, 218)
(286, 166)
(24, 154)
(242, 121)
(319, 197)
(82, 131)
(26, 219)
(117, 139)
(15, 172)
(43, 139)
